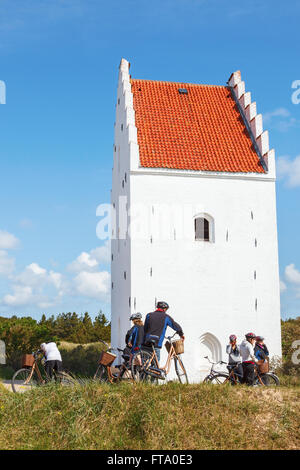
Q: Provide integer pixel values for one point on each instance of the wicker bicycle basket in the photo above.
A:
(27, 360)
(106, 358)
(263, 366)
(178, 346)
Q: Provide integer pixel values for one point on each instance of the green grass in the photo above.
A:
(141, 416)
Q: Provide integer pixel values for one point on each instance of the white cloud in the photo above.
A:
(90, 261)
(33, 275)
(102, 253)
(8, 241)
(83, 262)
(280, 119)
(36, 286)
(22, 295)
(282, 286)
(36, 269)
(279, 112)
(292, 274)
(56, 279)
(7, 264)
(290, 170)
(95, 285)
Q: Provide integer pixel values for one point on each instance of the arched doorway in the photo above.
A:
(209, 346)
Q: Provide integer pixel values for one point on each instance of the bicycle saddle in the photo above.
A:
(152, 339)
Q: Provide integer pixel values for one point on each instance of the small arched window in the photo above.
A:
(201, 229)
(204, 228)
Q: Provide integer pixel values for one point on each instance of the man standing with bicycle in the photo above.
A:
(53, 358)
(248, 358)
(156, 324)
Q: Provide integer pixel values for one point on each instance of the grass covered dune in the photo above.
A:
(142, 416)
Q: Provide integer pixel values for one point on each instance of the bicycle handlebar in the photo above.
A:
(214, 363)
(170, 337)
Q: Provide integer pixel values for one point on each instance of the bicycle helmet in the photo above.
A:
(162, 305)
(136, 316)
(259, 338)
(250, 335)
(232, 338)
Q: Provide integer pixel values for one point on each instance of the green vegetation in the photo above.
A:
(142, 416)
(81, 359)
(23, 335)
(290, 332)
(6, 372)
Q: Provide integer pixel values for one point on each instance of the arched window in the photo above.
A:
(210, 346)
(204, 228)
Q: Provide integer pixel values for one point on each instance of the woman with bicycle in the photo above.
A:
(136, 334)
(234, 358)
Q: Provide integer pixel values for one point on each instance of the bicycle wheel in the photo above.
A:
(138, 362)
(268, 379)
(22, 381)
(218, 379)
(180, 371)
(101, 374)
(65, 379)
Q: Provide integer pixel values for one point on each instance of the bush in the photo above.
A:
(290, 332)
(6, 372)
(82, 360)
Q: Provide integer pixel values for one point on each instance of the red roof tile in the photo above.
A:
(202, 130)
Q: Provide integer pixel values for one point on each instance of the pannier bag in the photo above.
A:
(178, 346)
(106, 358)
(27, 360)
(263, 366)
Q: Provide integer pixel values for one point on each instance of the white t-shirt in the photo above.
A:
(52, 353)
(247, 351)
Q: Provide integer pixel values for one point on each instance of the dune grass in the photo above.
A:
(70, 346)
(142, 416)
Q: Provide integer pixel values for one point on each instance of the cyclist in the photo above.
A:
(156, 324)
(136, 333)
(261, 351)
(248, 358)
(53, 358)
(234, 358)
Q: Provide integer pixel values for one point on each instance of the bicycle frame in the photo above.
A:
(231, 375)
(166, 368)
(123, 368)
(36, 368)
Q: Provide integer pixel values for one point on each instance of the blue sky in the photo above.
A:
(59, 60)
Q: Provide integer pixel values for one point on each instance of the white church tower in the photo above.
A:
(195, 214)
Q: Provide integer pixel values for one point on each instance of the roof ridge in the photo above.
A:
(176, 83)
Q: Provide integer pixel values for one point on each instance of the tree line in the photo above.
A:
(25, 334)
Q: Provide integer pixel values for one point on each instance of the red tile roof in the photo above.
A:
(202, 130)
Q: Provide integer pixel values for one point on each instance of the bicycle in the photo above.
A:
(266, 379)
(148, 368)
(104, 372)
(30, 376)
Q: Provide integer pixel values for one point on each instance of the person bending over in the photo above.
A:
(53, 358)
